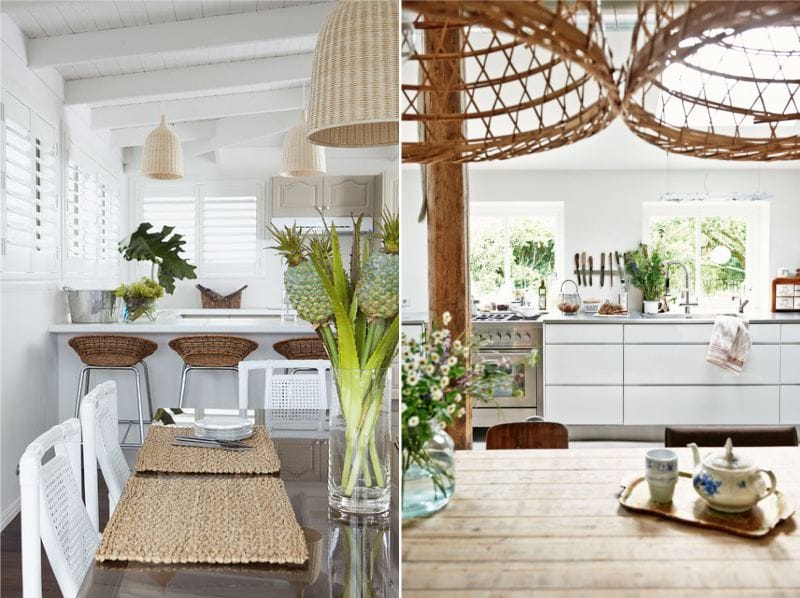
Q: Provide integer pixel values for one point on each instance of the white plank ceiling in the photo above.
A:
(212, 66)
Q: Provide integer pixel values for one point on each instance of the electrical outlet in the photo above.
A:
(405, 302)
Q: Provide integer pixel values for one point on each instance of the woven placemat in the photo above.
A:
(158, 455)
(204, 519)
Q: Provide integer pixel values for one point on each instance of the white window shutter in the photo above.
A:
(177, 211)
(229, 233)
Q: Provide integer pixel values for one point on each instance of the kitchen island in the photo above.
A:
(203, 389)
(638, 373)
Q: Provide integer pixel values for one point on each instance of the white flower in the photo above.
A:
(430, 369)
(458, 398)
(436, 395)
(409, 366)
(435, 357)
(446, 318)
(444, 382)
(457, 345)
(402, 407)
(451, 409)
(461, 412)
(452, 360)
(412, 378)
(445, 369)
(413, 421)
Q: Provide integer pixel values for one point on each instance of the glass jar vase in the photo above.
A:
(429, 479)
(360, 446)
(139, 309)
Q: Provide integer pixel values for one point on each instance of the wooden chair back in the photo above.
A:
(678, 436)
(528, 435)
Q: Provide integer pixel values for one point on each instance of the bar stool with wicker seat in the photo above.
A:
(115, 352)
(301, 347)
(210, 352)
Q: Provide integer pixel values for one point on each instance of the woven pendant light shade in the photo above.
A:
(354, 81)
(162, 157)
(301, 158)
(717, 79)
(534, 76)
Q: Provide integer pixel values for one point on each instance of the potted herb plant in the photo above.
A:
(163, 250)
(645, 267)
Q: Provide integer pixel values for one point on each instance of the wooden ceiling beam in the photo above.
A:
(178, 36)
(191, 79)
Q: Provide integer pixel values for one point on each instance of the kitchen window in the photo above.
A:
(513, 246)
(722, 243)
(30, 191)
(220, 223)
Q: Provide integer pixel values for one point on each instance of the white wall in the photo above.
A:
(28, 400)
(602, 210)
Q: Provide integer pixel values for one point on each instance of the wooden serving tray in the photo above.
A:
(689, 508)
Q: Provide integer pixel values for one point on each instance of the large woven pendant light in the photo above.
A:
(354, 81)
(162, 157)
(301, 158)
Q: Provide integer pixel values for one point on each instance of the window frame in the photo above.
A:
(199, 189)
(756, 215)
(527, 209)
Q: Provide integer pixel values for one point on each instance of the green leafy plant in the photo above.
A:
(140, 297)
(163, 250)
(646, 270)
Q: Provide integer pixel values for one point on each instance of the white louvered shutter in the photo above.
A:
(46, 229)
(229, 233)
(177, 210)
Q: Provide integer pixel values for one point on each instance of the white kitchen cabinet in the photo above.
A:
(344, 196)
(296, 196)
(583, 364)
(701, 405)
(790, 404)
(583, 333)
(692, 333)
(790, 333)
(584, 404)
(790, 364)
(686, 364)
(302, 197)
(486, 417)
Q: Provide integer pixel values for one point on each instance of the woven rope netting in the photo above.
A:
(533, 77)
(716, 79)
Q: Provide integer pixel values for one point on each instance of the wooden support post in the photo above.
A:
(448, 210)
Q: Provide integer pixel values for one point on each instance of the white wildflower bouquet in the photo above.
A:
(437, 375)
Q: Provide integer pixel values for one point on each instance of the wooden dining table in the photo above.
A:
(548, 523)
(351, 551)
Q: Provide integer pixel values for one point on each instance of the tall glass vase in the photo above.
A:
(359, 461)
(360, 560)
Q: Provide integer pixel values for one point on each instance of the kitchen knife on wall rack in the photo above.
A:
(602, 268)
(578, 267)
(591, 267)
(610, 269)
(583, 267)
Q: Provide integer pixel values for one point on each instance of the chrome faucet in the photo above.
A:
(685, 293)
(742, 304)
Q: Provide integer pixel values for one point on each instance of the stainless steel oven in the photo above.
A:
(510, 341)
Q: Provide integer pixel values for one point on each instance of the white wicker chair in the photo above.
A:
(101, 445)
(52, 511)
(298, 395)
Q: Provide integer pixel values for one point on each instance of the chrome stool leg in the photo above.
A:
(147, 387)
(139, 404)
(186, 369)
(80, 394)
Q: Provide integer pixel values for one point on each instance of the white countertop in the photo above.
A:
(674, 318)
(210, 321)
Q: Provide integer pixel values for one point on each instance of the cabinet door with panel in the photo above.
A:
(343, 196)
(296, 197)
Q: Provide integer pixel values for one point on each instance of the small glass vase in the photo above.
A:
(429, 481)
(139, 309)
(359, 460)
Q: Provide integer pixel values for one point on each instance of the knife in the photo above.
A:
(211, 445)
(591, 267)
(619, 269)
(610, 269)
(602, 267)
(583, 267)
(578, 267)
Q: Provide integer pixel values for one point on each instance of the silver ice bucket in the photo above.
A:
(95, 306)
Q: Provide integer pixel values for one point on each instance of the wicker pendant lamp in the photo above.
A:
(532, 76)
(162, 157)
(301, 158)
(717, 79)
(354, 80)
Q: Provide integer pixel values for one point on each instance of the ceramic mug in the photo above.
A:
(661, 473)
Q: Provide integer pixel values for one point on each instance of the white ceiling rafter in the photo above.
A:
(192, 79)
(229, 131)
(178, 36)
(135, 136)
(192, 109)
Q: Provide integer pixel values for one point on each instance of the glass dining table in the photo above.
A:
(349, 555)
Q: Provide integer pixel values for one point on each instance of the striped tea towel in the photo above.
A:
(730, 343)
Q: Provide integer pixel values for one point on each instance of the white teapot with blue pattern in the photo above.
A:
(729, 482)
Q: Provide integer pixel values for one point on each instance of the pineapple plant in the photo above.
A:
(301, 279)
(378, 289)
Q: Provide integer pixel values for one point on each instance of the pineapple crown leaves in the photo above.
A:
(162, 249)
(390, 232)
(291, 243)
(355, 253)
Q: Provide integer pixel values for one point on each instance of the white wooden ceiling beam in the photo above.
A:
(149, 113)
(266, 25)
(135, 136)
(241, 128)
(190, 79)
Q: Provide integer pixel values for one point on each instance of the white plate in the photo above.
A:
(223, 422)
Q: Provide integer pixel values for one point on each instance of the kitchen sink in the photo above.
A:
(228, 316)
(691, 316)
